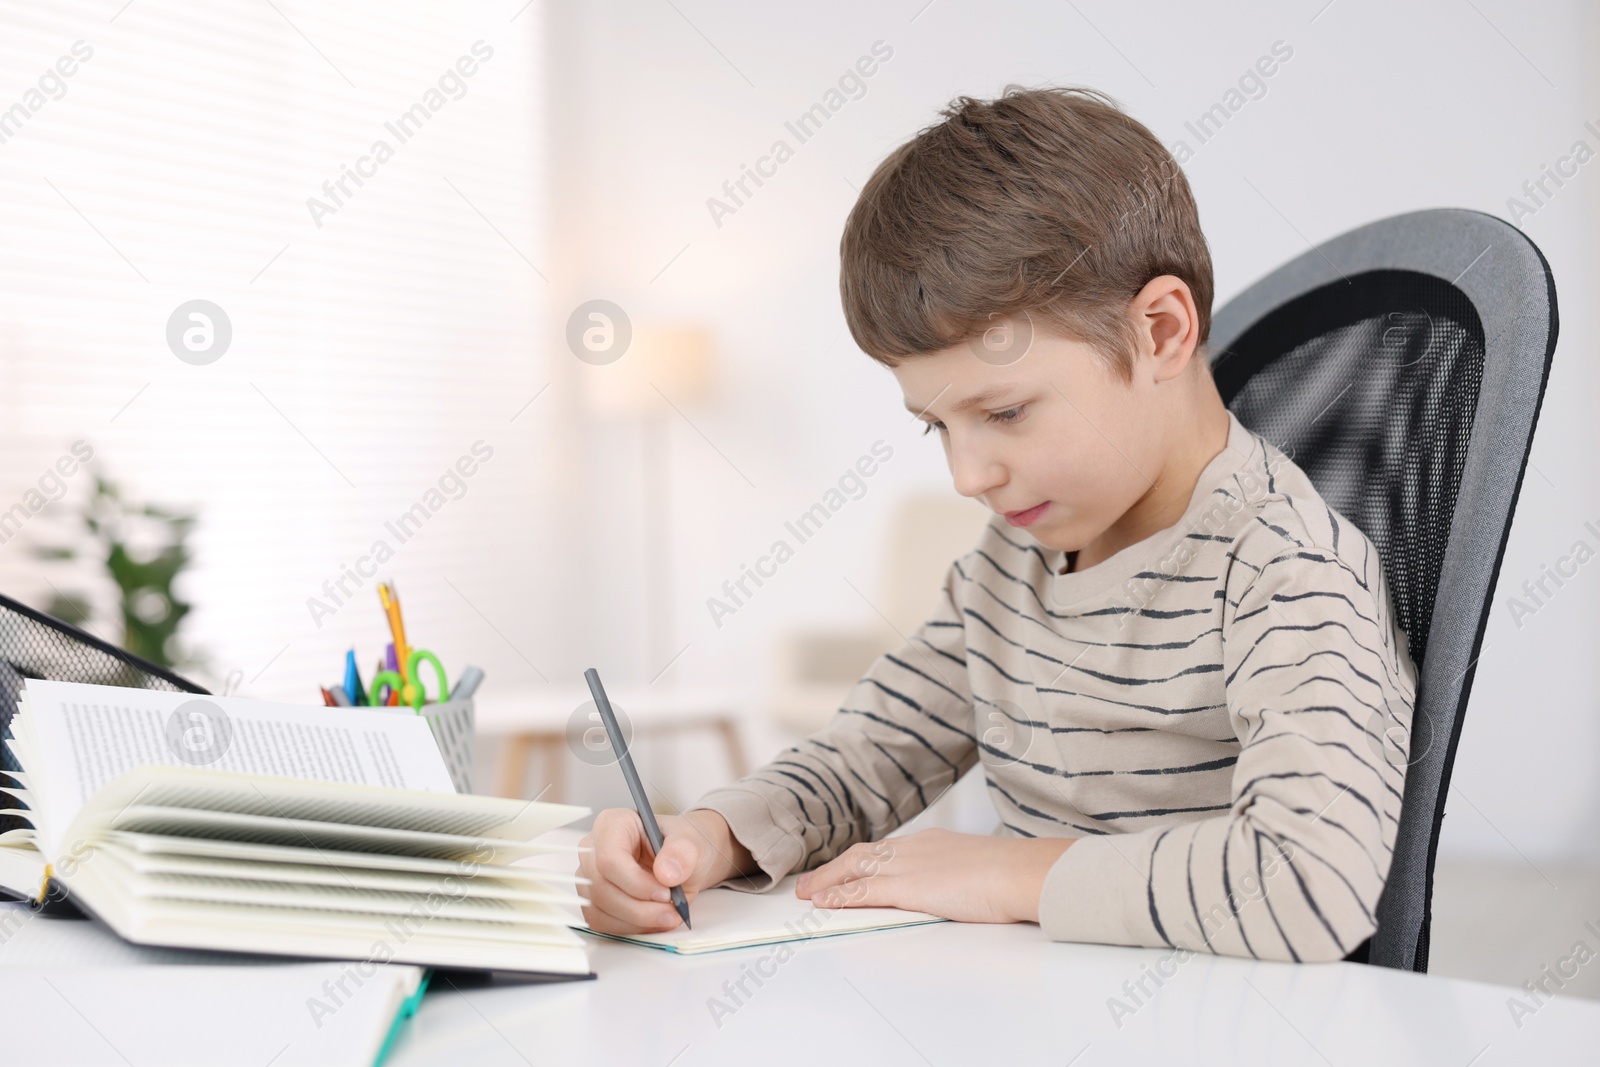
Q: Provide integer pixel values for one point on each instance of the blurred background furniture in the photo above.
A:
(548, 721)
(816, 668)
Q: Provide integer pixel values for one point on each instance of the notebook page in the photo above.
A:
(87, 735)
(726, 918)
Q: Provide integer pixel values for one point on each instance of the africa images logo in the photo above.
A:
(199, 732)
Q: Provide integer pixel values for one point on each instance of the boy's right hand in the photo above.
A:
(629, 890)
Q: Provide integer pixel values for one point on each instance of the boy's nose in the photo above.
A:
(974, 476)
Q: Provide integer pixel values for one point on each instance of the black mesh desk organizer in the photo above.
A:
(35, 645)
(1401, 365)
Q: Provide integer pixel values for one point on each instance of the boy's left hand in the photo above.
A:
(966, 877)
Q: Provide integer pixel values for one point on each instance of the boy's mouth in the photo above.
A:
(1026, 518)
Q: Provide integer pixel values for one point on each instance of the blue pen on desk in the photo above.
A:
(620, 746)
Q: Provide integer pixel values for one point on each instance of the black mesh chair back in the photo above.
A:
(1401, 366)
(35, 645)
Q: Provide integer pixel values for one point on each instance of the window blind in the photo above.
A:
(358, 188)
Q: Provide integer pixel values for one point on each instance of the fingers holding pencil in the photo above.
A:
(630, 885)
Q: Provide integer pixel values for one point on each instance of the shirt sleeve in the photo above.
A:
(1320, 690)
(902, 737)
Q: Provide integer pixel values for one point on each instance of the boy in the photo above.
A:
(1179, 667)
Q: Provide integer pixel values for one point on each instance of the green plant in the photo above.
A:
(144, 548)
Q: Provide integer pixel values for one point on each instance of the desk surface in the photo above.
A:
(961, 993)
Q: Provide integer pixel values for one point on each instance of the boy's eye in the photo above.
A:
(1009, 415)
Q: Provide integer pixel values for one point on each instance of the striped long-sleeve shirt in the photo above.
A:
(1218, 713)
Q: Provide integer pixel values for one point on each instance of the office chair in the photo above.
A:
(1401, 366)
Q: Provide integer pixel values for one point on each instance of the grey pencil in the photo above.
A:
(620, 746)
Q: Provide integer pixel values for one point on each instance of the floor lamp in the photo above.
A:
(667, 369)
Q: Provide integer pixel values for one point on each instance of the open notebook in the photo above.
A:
(726, 918)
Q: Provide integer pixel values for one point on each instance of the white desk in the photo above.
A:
(957, 993)
(944, 994)
(970, 994)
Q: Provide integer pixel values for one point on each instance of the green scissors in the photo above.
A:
(412, 692)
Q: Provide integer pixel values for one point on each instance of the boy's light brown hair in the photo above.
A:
(1051, 202)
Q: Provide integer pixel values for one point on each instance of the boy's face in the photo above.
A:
(1055, 441)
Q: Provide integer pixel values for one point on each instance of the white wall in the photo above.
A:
(1381, 109)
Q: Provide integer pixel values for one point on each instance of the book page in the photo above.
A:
(490, 822)
(280, 856)
(87, 735)
(339, 832)
(514, 885)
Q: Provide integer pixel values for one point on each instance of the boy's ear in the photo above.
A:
(1167, 324)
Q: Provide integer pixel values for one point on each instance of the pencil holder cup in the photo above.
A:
(452, 724)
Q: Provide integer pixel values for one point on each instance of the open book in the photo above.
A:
(229, 824)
